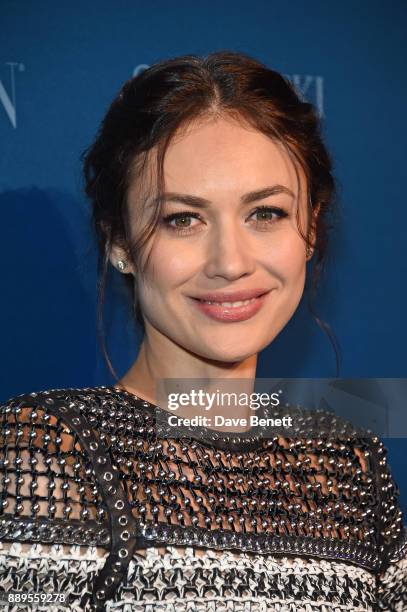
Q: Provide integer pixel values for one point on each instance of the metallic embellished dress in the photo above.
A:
(97, 506)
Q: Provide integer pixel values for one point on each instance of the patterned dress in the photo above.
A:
(102, 510)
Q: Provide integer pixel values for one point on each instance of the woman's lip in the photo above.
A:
(231, 313)
(232, 296)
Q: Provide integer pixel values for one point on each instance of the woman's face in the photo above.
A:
(222, 240)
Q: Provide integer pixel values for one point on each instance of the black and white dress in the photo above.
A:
(98, 507)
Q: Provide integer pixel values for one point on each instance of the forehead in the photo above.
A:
(218, 158)
(227, 155)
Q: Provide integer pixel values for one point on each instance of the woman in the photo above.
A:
(210, 188)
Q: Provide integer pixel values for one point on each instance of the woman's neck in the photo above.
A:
(160, 359)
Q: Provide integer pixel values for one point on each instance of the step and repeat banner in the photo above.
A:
(61, 64)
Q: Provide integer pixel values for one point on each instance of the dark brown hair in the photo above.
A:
(164, 99)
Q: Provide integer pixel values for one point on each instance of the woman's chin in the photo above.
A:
(228, 355)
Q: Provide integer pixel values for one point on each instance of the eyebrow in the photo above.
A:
(247, 198)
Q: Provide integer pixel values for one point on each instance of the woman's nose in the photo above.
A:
(229, 253)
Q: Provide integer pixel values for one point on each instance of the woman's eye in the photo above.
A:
(268, 214)
(180, 221)
(184, 221)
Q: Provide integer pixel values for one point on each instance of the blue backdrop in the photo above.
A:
(60, 66)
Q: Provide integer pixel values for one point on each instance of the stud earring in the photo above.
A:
(121, 264)
(308, 252)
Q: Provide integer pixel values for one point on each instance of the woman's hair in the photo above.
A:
(166, 98)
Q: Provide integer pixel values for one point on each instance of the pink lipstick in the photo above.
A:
(231, 306)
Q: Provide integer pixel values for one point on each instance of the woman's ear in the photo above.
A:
(120, 260)
(315, 213)
(312, 234)
(118, 256)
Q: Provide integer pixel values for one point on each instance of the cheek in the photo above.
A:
(285, 260)
(170, 265)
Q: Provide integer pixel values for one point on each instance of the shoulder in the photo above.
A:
(52, 424)
(45, 408)
(346, 472)
(45, 468)
(50, 403)
(47, 395)
(40, 420)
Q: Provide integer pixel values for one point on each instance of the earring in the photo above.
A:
(121, 264)
(308, 252)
